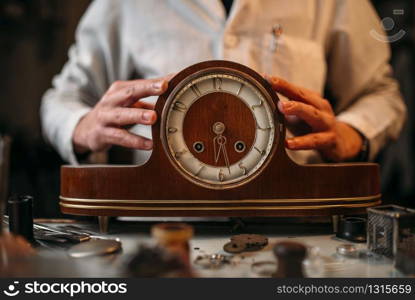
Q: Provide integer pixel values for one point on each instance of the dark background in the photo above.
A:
(34, 38)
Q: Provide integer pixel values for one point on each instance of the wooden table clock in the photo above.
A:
(219, 151)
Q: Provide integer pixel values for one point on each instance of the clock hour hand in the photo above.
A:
(216, 151)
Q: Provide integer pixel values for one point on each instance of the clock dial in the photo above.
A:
(218, 128)
(242, 128)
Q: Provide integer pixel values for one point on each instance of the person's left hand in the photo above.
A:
(335, 140)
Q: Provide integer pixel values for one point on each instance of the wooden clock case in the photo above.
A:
(156, 188)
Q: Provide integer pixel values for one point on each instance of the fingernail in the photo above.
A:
(273, 80)
(158, 85)
(148, 144)
(147, 116)
(287, 105)
(283, 106)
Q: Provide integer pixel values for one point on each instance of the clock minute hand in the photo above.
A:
(218, 128)
(216, 151)
(225, 156)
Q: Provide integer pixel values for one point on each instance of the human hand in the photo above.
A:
(120, 106)
(335, 140)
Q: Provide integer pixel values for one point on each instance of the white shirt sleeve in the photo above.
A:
(95, 61)
(360, 77)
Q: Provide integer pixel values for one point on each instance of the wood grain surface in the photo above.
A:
(224, 108)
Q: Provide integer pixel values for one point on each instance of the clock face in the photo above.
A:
(218, 128)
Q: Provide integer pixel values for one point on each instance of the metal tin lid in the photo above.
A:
(95, 247)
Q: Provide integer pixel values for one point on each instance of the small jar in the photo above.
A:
(174, 238)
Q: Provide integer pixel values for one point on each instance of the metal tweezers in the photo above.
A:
(65, 233)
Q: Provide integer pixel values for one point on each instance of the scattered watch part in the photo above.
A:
(202, 261)
(234, 247)
(94, 247)
(251, 240)
(347, 250)
(314, 263)
(264, 268)
(212, 261)
(236, 259)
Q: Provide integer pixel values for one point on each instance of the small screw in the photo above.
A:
(198, 147)
(240, 146)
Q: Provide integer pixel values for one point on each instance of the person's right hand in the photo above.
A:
(120, 106)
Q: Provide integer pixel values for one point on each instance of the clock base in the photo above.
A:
(222, 208)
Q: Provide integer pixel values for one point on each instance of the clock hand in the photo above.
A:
(225, 156)
(216, 152)
(218, 129)
(222, 142)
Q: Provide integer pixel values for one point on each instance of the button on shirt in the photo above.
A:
(324, 44)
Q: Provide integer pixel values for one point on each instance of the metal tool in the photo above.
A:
(74, 228)
(48, 233)
(50, 238)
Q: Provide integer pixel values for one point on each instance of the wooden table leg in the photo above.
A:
(103, 222)
(335, 219)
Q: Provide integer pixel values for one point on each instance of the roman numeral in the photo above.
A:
(239, 89)
(179, 106)
(262, 152)
(179, 154)
(171, 130)
(217, 83)
(257, 105)
(200, 170)
(196, 90)
(221, 176)
(241, 166)
(263, 129)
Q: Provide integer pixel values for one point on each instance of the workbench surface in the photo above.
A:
(209, 239)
